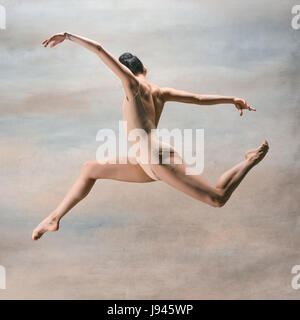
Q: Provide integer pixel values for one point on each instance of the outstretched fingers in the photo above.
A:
(46, 42)
(53, 41)
(244, 105)
(249, 108)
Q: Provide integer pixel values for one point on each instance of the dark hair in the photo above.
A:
(132, 62)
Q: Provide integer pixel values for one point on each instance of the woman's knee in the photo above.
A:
(92, 169)
(219, 199)
(218, 203)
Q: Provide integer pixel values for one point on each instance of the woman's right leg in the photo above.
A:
(90, 172)
(199, 188)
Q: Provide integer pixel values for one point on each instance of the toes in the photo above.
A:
(264, 146)
(35, 235)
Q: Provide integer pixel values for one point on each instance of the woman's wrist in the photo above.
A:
(67, 35)
(228, 100)
(232, 99)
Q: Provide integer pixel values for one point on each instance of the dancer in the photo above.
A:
(142, 107)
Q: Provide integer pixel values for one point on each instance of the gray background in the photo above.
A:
(130, 241)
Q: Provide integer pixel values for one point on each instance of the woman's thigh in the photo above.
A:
(174, 174)
(122, 170)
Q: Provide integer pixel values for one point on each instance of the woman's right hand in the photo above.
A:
(241, 104)
(55, 39)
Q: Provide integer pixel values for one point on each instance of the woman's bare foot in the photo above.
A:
(256, 155)
(51, 223)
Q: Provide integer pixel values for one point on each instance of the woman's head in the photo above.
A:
(133, 63)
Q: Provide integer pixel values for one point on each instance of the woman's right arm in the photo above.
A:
(126, 76)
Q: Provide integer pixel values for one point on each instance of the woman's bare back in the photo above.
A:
(143, 107)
